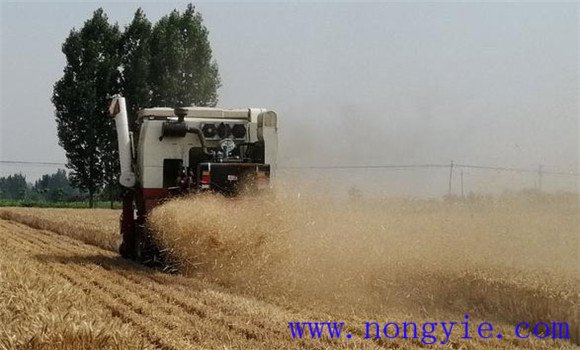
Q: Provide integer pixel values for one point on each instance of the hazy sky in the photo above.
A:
(379, 83)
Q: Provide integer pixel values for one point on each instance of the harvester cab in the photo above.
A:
(188, 150)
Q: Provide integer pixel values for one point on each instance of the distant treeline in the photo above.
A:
(54, 188)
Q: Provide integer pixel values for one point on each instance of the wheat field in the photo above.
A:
(248, 266)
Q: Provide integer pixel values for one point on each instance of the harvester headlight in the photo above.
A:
(209, 130)
(223, 130)
(239, 131)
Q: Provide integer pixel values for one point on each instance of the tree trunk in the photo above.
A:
(91, 203)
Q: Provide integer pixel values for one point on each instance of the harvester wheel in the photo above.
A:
(124, 251)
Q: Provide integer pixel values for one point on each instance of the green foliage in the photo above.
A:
(182, 70)
(52, 190)
(135, 61)
(80, 97)
(168, 64)
(13, 186)
(54, 187)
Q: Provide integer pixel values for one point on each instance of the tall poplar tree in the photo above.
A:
(166, 64)
(80, 97)
(182, 69)
(135, 63)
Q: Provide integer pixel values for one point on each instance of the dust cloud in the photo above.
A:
(512, 258)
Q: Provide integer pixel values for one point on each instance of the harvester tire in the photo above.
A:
(125, 252)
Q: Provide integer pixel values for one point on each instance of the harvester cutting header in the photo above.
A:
(188, 150)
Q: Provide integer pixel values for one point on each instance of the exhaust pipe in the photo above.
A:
(118, 111)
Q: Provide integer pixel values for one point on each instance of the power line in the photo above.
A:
(15, 162)
(388, 166)
(518, 170)
(411, 166)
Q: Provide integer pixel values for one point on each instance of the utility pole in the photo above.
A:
(450, 177)
(462, 183)
(540, 175)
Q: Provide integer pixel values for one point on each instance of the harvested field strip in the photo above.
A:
(15, 250)
(99, 227)
(208, 305)
(118, 308)
(144, 301)
(168, 318)
(190, 296)
(201, 303)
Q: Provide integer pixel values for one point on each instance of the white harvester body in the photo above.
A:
(188, 150)
(261, 126)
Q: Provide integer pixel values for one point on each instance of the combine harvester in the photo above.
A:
(188, 150)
